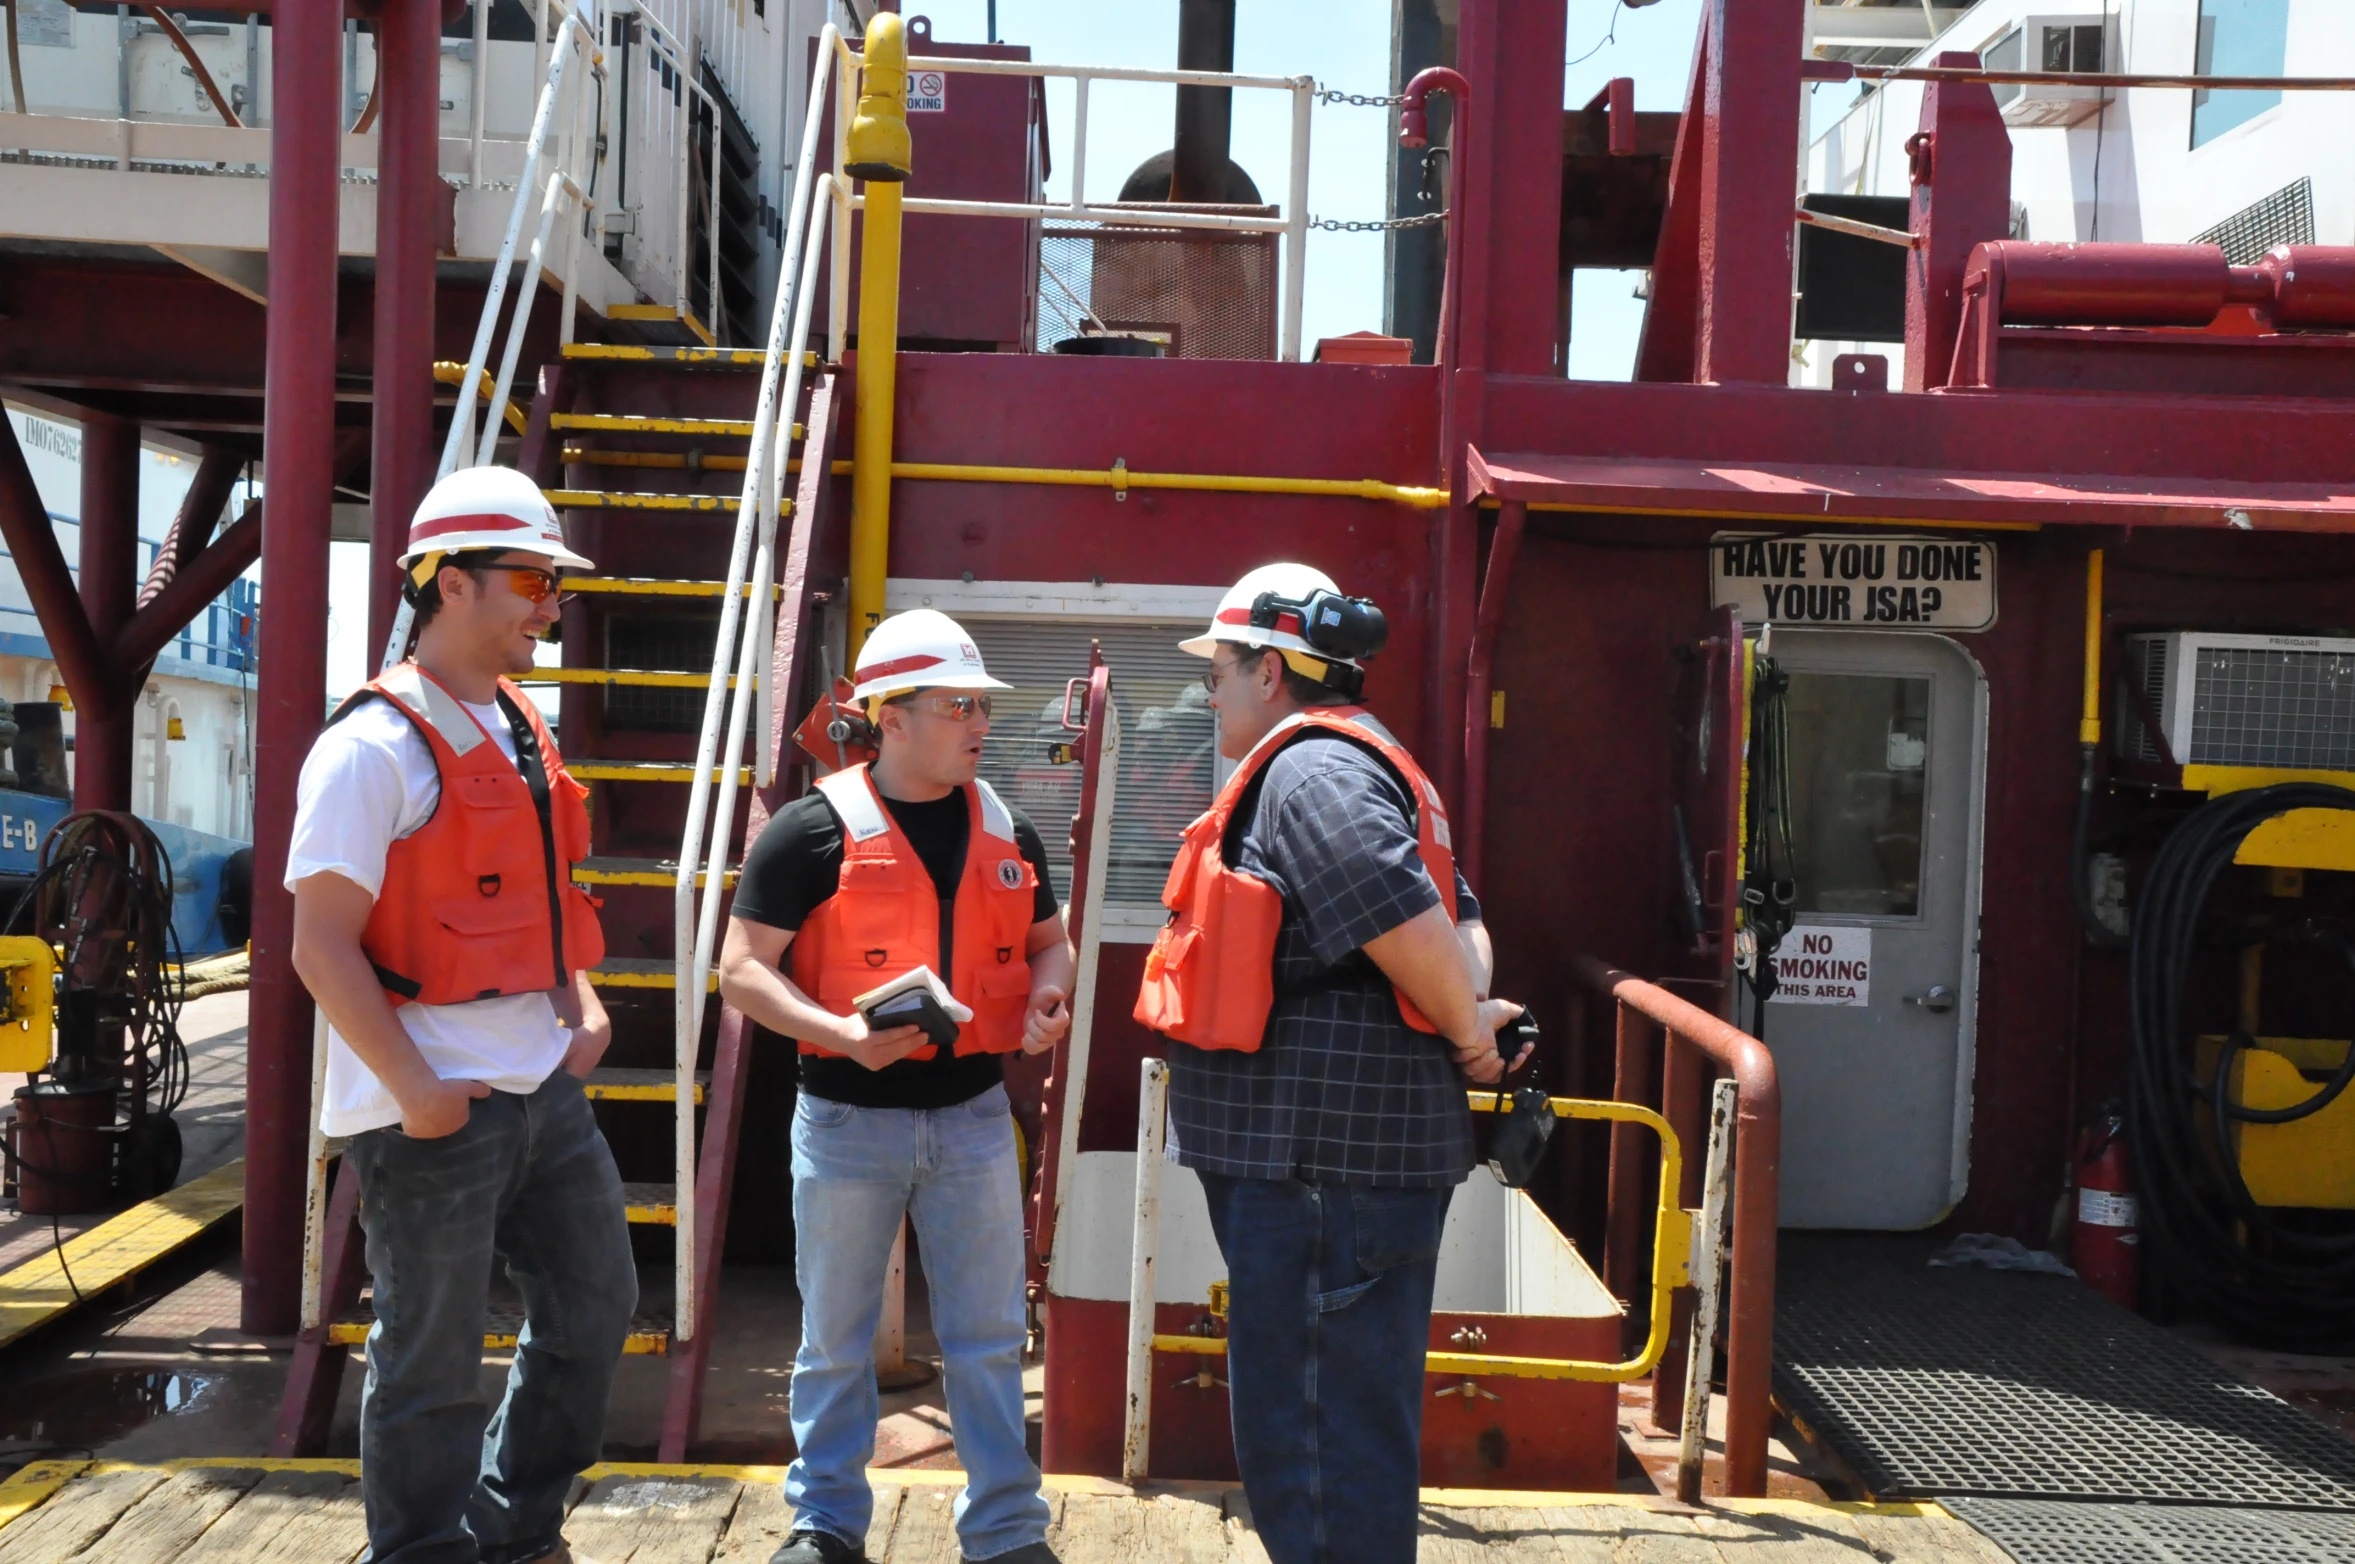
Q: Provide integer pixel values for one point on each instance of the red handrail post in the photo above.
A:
(1630, 1193)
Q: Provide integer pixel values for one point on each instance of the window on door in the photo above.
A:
(2237, 38)
(1859, 748)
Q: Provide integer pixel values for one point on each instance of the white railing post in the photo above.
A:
(481, 81)
(1079, 143)
(1708, 1274)
(1296, 221)
(1136, 1445)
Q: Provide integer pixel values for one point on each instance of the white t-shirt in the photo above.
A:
(368, 781)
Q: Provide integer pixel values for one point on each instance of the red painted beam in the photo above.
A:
(196, 584)
(1666, 349)
(298, 476)
(1749, 189)
(109, 586)
(40, 564)
(1962, 181)
(409, 194)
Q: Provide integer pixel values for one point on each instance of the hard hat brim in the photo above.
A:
(561, 556)
(901, 685)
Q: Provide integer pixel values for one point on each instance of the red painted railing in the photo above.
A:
(1692, 1039)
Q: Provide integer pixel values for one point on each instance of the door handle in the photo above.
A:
(1937, 1001)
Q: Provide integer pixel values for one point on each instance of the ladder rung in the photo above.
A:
(649, 1333)
(651, 1205)
(655, 586)
(631, 972)
(653, 678)
(606, 1084)
(620, 423)
(618, 870)
(646, 771)
(616, 499)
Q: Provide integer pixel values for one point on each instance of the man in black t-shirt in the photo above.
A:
(909, 862)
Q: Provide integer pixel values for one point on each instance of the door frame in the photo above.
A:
(1966, 1037)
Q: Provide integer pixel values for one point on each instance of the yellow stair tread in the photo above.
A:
(656, 586)
(651, 1205)
(609, 1083)
(690, 357)
(618, 499)
(632, 972)
(628, 423)
(659, 678)
(615, 869)
(503, 1323)
(645, 771)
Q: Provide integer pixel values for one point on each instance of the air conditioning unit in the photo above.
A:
(2078, 43)
(2285, 702)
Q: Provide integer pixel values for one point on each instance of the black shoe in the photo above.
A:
(1028, 1553)
(817, 1547)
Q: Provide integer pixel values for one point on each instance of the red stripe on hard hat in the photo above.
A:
(1287, 622)
(493, 521)
(899, 665)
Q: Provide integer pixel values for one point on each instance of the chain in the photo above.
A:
(1336, 225)
(1358, 100)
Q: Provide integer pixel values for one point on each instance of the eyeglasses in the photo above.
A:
(1216, 673)
(531, 583)
(957, 708)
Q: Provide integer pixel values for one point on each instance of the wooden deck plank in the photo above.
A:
(652, 1520)
(923, 1529)
(763, 1520)
(1457, 1535)
(38, 1291)
(289, 1517)
(167, 1522)
(75, 1517)
(1826, 1538)
(1179, 1528)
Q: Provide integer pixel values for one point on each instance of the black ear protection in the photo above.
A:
(1349, 628)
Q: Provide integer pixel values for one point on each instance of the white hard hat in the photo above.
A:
(922, 649)
(486, 508)
(1292, 583)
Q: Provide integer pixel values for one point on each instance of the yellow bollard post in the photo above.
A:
(878, 153)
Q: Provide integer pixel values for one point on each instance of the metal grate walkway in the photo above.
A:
(1933, 1383)
(2057, 1531)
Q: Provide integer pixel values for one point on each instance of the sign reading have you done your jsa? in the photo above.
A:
(1855, 583)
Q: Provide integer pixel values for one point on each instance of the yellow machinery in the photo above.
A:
(28, 1021)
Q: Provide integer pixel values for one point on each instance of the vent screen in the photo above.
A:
(2262, 707)
(668, 644)
(2284, 217)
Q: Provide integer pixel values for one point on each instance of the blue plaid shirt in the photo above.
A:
(1342, 1090)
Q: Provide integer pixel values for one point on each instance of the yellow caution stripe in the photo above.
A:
(629, 972)
(625, 423)
(654, 586)
(646, 771)
(38, 1291)
(663, 872)
(614, 499)
(612, 1084)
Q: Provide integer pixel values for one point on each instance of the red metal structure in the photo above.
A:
(1546, 621)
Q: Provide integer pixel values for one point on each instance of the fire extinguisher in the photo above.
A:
(2105, 1247)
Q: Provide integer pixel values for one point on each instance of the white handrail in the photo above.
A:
(744, 650)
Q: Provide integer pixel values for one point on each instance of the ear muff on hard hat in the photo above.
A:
(1343, 628)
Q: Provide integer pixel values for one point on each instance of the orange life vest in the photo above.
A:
(479, 901)
(1210, 977)
(884, 917)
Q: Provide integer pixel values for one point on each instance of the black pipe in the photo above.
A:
(1205, 115)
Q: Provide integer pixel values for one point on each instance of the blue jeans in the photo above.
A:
(1329, 1316)
(856, 1171)
(529, 1181)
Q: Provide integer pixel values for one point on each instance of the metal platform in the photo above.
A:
(1933, 1383)
(2058, 1531)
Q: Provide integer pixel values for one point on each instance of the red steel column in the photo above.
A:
(408, 177)
(110, 572)
(1749, 190)
(298, 432)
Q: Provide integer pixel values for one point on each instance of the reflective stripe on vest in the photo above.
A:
(1210, 976)
(884, 916)
(469, 908)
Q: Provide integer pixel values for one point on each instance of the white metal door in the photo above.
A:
(1871, 1029)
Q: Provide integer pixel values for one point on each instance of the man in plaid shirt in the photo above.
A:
(1329, 1153)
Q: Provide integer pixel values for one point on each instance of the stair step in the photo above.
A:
(646, 771)
(619, 870)
(670, 460)
(649, 1334)
(656, 586)
(653, 678)
(630, 972)
(689, 358)
(660, 316)
(608, 1084)
(617, 499)
(651, 1205)
(621, 423)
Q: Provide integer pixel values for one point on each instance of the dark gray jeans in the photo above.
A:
(530, 1182)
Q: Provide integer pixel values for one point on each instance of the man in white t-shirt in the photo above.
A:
(437, 925)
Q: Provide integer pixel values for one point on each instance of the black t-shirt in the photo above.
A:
(797, 863)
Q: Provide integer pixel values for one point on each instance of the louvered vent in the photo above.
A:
(1168, 748)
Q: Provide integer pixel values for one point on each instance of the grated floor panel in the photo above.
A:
(2060, 1531)
(1936, 1382)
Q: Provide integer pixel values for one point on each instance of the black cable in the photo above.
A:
(1769, 898)
(2279, 1279)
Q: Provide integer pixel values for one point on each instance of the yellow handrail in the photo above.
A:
(878, 154)
(1671, 1269)
(450, 373)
